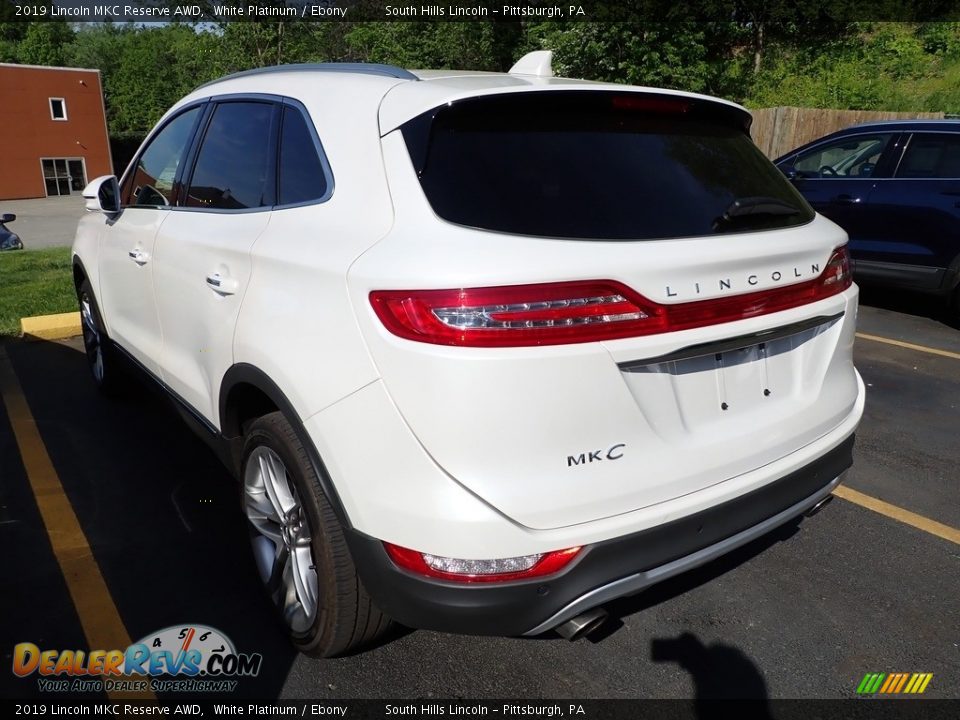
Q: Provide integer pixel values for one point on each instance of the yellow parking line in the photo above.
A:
(98, 614)
(897, 513)
(910, 346)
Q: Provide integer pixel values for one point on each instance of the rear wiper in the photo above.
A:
(742, 209)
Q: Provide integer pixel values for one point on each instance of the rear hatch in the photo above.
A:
(594, 301)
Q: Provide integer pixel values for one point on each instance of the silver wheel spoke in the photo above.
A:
(91, 338)
(282, 539)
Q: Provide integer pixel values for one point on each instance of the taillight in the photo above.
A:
(577, 312)
(471, 571)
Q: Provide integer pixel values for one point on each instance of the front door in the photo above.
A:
(127, 249)
(203, 249)
(837, 178)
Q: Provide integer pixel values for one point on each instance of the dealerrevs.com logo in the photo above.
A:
(186, 658)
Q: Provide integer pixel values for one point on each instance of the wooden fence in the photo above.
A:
(778, 130)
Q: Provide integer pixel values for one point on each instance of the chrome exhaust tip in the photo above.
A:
(583, 624)
(819, 506)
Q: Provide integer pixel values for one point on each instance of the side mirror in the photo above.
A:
(103, 194)
(790, 171)
(7, 217)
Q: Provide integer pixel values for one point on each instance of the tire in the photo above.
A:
(315, 588)
(953, 316)
(101, 358)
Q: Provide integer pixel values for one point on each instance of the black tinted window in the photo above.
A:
(151, 182)
(234, 168)
(852, 157)
(597, 165)
(931, 156)
(301, 173)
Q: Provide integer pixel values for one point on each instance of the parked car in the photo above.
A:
(485, 351)
(9, 240)
(895, 188)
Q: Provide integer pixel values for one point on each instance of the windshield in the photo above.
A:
(595, 165)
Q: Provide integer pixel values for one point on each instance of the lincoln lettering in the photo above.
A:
(732, 284)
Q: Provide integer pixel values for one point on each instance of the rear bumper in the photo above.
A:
(604, 571)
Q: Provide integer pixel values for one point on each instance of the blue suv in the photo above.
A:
(895, 188)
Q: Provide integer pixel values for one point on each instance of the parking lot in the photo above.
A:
(862, 587)
(45, 222)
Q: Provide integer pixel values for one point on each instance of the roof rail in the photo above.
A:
(360, 68)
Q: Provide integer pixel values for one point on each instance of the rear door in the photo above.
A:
(917, 215)
(148, 192)
(202, 258)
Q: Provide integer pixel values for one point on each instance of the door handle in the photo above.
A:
(845, 199)
(139, 256)
(222, 285)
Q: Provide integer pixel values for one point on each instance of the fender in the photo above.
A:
(244, 373)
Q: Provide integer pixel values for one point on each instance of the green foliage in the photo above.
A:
(45, 43)
(765, 53)
(442, 45)
(873, 66)
(664, 54)
(35, 282)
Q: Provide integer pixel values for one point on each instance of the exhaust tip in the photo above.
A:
(819, 506)
(583, 624)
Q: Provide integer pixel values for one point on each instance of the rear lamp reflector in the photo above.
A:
(471, 571)
(576, 312)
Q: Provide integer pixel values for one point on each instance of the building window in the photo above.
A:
(58, 108)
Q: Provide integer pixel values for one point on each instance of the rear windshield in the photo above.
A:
(598, 165)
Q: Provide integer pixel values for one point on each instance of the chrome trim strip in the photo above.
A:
(734, 343)
(633, 584)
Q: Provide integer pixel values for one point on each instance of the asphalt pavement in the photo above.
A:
(805, 612)
(45, 222)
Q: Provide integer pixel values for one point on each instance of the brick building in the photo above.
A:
(54, 131)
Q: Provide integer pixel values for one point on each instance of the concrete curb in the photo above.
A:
(51, 327)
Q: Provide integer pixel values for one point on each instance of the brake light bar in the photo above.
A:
(473, 571)
(581, 311)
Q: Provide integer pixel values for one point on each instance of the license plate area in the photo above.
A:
(755, 379)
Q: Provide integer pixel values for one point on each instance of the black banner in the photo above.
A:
(853, 709)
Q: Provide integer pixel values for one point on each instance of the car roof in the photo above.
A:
(907, 125)
(912, 125)
(398, 94)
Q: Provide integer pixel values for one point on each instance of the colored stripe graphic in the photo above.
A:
(894, 683)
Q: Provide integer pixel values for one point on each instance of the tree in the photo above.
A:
(44, 43)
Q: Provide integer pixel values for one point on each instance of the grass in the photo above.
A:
(34, 282)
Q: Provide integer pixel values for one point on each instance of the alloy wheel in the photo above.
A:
(281, 538)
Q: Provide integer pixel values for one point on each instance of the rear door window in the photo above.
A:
(931, 155)
(598, 165)
(234, 169)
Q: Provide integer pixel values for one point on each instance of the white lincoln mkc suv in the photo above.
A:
(484, 350)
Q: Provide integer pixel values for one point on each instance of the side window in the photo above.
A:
(931, 156)
(151, 182)
(852, 157)
(234, 168)
(302, 176)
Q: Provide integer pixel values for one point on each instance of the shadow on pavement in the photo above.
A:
(909, 303)
(159, 511)
(719, 672)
